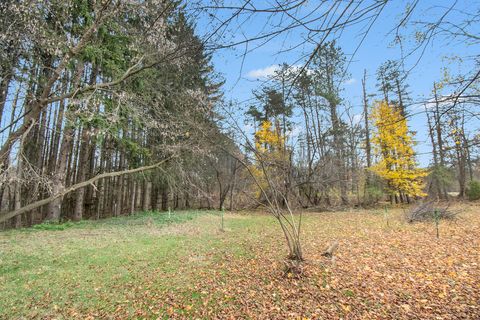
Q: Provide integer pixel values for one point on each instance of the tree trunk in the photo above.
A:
(339, 159)
(132, 187)
(81, 174)
(4, 86)
(234, 182)
(119, 188)
(59, 176)
(18, 186)
(400, 98)
(147, 201)
(164, 199)
(368, 149)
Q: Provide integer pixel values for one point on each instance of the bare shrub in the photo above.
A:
(429, 211)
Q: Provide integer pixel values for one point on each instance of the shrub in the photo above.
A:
(473, 190)
(429, 210)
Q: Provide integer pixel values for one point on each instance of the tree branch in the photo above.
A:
(83, 184)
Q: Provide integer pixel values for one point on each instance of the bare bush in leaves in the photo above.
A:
(429, 211)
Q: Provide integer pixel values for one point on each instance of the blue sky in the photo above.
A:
(243, 74)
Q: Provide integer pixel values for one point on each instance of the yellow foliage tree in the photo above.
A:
(270, 153)
(393, 144)
(268, 139)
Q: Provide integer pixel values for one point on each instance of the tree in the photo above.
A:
(393, 144)
(120, 86)
(270, 171)
(329, 69)
(439, 172)
(270, 156)
(391, 82)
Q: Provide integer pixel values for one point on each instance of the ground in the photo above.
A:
(151, 266)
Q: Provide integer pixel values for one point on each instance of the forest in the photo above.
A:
(308, 143)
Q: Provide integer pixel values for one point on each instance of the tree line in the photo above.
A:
(93, 88)
(111, 107)
(336, 156)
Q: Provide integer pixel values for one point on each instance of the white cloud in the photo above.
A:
(263, 73)
(350, 81)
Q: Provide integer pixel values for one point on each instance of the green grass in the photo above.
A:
(52, 269)
(142, 218)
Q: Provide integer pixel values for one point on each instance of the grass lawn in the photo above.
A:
(154, 266)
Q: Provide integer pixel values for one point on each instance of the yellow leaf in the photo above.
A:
(347, 308)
